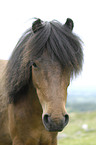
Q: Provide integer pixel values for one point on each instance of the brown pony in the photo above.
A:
(33, 87)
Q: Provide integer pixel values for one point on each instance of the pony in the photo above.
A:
(34, 82)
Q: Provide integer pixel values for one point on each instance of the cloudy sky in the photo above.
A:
(15, 18)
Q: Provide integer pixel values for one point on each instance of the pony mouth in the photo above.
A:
(53, 128)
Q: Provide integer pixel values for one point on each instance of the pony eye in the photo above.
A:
(34, 64)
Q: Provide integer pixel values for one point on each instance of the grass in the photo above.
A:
(74, 134)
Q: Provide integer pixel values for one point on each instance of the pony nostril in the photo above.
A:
(66, 116)
(46, 118)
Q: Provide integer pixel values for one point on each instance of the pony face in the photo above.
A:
(55, 54)
(51, 83)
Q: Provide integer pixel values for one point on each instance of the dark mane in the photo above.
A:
(58, 39)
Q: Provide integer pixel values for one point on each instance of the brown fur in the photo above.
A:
(4, 131)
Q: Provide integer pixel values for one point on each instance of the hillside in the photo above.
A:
(81, 130)
(81, 100)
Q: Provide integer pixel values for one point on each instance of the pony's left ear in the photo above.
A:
(69, 23)
(37, 25)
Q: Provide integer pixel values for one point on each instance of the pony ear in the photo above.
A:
(69, 23)
(37, 25)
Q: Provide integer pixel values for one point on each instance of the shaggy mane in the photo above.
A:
(59, 41)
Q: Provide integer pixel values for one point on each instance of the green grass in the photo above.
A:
(73, 134)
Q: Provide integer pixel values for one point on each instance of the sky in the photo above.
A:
(16, 17)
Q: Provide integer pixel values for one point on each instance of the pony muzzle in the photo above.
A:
(53, 125)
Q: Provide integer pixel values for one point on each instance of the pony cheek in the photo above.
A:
(40, 96)
(35, 81)
(43, 103)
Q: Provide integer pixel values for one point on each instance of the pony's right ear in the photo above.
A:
(69, 23)
(37, 25)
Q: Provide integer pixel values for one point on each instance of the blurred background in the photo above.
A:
(16, 17)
